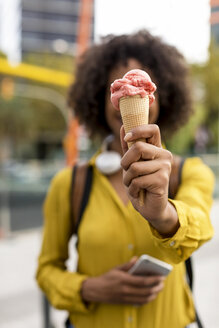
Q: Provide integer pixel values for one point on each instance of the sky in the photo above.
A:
(9, 29)
(183, 23)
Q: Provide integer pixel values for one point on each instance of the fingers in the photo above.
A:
(119, 287)
(141, 295)
(143, 291)
(144, 151)
(141, 281)
(136, 300)
(137, 169)
(156, 183)
(126, 266)
(123, 142)
(146, 167)
(150, 132)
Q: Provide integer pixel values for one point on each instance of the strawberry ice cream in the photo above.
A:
(134, 82)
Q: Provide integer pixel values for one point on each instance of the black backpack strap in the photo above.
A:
(74, 171)
(180, 169)
(68, 323)
(85, 197)
(83, 194)
(188, 262)
(200, 325)
(189, 272)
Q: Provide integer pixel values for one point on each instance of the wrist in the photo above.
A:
(168, 223)
(89, 290)
(86, 291)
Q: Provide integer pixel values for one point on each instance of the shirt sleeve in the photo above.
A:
(61, 287)
(193, 202)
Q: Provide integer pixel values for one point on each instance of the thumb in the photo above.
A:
(126, 266)
(123, 143)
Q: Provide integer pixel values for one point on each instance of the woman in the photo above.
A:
(115, 230)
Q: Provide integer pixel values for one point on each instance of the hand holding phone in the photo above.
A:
(148, 265)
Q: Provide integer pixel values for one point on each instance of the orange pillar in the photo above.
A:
(71, 142)
(85, 24)
(214, 20)
(83, 40)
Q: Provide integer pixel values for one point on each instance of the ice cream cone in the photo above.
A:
(134, 111)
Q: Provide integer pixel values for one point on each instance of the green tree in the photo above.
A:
(211, 80)
(205, 81)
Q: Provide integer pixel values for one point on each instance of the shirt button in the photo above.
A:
(130, 246)
(129, 319)
(172, 243)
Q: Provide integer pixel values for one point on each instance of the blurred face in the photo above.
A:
(113, 116)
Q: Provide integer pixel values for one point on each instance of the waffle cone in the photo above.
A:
(134, 111)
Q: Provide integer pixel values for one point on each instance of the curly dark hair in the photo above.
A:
(87, 94)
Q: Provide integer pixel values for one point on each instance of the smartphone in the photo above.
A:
(148, 265)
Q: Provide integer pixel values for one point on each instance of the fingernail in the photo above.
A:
(128, 136)
(134, 258)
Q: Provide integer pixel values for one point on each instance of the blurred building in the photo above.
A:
(45, 26)
(215, 20)
(34, 28)
(55, 25)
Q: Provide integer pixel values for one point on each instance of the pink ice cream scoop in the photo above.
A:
(134, 82)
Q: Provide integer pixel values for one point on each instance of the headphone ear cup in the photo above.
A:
(108, 162)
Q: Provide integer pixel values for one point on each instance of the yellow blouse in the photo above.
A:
(110, 234)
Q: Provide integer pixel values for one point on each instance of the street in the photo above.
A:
(21, 300)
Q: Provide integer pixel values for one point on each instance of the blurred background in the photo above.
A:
(40, 41)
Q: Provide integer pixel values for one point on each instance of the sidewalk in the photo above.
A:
(20, 299)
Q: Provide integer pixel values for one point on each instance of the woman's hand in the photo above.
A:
(147, 166)
(117, 286)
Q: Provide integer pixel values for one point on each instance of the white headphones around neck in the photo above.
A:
(108, 161)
